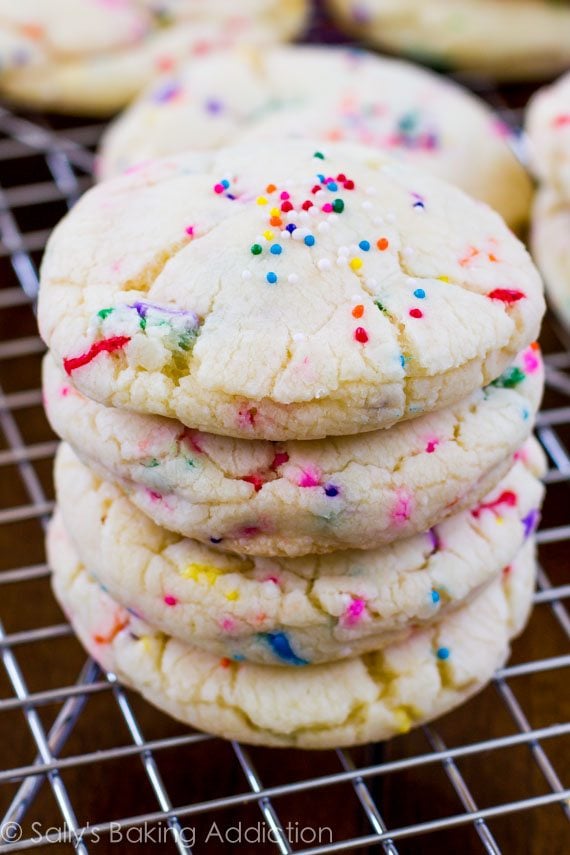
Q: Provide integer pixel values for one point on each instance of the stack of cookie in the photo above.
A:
(548, 129)
(296, 385)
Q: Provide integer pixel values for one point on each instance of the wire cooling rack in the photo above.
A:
(85, 765)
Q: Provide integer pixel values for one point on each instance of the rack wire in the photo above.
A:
(84, 764)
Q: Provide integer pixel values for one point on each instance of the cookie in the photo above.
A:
(547, 123)
(284, 292)
(330, 94)
(295, 498)
(551, 249)
(515, 40)
(354, 701)
(294, 611)
(93, 56)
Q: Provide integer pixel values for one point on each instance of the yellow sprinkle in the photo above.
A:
(146, 640)
(403, 721)
(232, 595)
(202, 573)
(261, 200)
(443, 278)
(268, 235)
(275, 212)
(356, 263)
(500, 520)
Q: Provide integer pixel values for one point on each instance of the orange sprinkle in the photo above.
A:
(492, 257)
(535, 345)
(276, 221)
(358, 311)
(382, 244)
(33, 31)
(271, 188)
(225, 662)
(117, 627)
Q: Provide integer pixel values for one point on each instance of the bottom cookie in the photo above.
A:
(359, 700)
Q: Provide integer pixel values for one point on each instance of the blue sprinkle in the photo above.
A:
(271, 278)
(281, 647)
(525, 414)
(443, 653)
(403, 360)
(435, 597)
(216, 539)
(291, 228)
(310, 240)
(276, 249)
(321, 177)
(419, 205)
(332, 186)
(331, 491)
(225, 183)
(238, 657)
(364, 245)
(419, 293)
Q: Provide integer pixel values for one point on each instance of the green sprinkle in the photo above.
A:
(510, 378)
(338, 206)
(104, 313)
(152, 464)
(191, 464)
(256, 249)
(379, 305)
(142, 323)
(319, 154)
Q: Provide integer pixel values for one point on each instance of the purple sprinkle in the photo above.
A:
(530, 522)
(167, 92)
(214, 106)
(434, 539)
(143, 309)
(331, 491)
(216, 539)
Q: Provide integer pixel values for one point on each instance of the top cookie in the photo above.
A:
(518, 39)
(284, 292)
(94, 56)
(329, 94)
(548, 129)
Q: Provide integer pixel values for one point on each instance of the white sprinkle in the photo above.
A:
(285, 235)
(342, 260)
(372, 283)
(371, 191)
(246, 274)
(293, 278)
(324, 264)
(299, 336)
(409, 250)
(356, 298)
(378, 221)
(367, 205)
(391, 217)
(343, 250)
(323, 227)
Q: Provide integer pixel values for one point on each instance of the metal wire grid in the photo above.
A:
(66, 160)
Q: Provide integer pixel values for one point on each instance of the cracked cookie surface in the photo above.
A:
(351, 702)
(285, 293)
(295, 498)
(330, 94)
(303, 610)
(514, 40)
(94, 56)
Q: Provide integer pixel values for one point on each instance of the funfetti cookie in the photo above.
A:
(358, 700)
(94, 56)
(514, 40)
(330, 94)
(550, 244)
(295, 498)
(292, 611)
(548, 129)
(285, 292)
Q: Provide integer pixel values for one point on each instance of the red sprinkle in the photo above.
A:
(506, 295)
(361, 335)
(170, 600)
(306, 205)
(279, 460)
(416, 313)
(349, 185)
(225, 662)
(507, 498)
(316, 188)
(108, 345)
(286, 206)
(256, 480)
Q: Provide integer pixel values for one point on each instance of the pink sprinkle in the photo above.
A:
(219, 188)
(432, 445)
(246, 418)
(170, 600)
(274, 579)
(561, 120)
(227, 624)
(285, 196)
(279, 460)
(531, 363)
(354, 611)
(189, 230)
(327, 207)
(249, 531)
(152, 494)
(65, 391)
(311, 477)
(402, 510)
